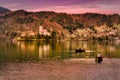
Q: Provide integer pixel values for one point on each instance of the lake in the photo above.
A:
(52, 50)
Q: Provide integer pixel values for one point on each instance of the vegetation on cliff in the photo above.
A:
(60, 25)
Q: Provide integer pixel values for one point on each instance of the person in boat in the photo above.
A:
(79, 50)
(99, 58)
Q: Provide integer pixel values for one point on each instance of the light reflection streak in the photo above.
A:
(44, 51)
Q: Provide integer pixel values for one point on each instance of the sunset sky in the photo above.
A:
(67, 6)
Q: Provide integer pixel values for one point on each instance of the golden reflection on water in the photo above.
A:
(55, 49)
(23, 46)
(44, 51)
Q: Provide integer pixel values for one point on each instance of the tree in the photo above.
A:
(54, 34)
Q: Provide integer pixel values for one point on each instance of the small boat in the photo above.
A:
(79, 50)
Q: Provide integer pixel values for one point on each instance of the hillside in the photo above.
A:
(66, 26)
(2, 9)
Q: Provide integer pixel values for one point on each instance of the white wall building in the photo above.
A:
(43, 31)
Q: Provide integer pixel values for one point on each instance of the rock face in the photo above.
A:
(60, 25)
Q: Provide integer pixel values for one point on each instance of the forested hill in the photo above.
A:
(72, 26)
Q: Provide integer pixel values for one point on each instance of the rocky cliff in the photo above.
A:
(71, 26)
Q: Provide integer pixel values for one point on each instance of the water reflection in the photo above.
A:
(31, 51)
(44, 51)
(26, 46)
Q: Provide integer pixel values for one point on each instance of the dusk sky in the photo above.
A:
(67, 6)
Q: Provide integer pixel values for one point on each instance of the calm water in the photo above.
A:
(36, 51)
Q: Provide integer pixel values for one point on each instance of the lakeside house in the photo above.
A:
(27, 33)
(43, 31)
(30, 35)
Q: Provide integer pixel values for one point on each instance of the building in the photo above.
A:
(27, 33)
(43, 31)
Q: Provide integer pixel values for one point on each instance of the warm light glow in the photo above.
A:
(43, 51)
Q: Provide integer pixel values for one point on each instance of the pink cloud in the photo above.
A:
(67, 6)
(76, 9)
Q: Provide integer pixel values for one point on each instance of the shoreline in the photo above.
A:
(68, 69)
